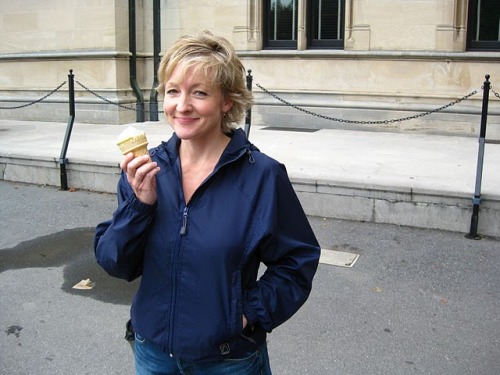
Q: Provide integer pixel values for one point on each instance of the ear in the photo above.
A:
(227, 104)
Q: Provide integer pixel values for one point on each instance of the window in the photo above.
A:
(324, 23)
(483, 31)
(281, 20)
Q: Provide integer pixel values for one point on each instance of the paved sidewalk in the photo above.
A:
(416, 301)
(378, 166)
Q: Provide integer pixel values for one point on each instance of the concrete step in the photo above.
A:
(405, 179)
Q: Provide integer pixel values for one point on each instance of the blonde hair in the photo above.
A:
(215, 57)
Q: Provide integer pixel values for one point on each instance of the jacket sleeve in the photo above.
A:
(119, 242)
(290, 251)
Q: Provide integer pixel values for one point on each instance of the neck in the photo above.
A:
(195, 151)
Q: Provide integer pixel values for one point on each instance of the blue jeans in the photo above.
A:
(150, 360)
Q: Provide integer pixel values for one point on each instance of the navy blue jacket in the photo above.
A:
(200, 262)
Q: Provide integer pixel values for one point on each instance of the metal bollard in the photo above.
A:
(476, 200)
(248, 117)
(69, 128)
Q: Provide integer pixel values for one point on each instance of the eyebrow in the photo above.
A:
(197, 85)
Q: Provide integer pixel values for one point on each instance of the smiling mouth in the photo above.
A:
(185, 120)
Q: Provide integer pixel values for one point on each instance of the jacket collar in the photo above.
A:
(238, 146)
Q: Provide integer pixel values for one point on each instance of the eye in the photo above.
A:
(200, 93)
(171, 91)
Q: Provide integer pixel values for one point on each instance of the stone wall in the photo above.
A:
(400, 58)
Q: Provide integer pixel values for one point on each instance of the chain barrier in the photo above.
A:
(366, 122)
(109, 101)
(496, 93)
(357, 122)
(38, 100)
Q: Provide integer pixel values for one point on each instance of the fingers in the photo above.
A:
(141, 174)
(137, 166)
(126, 159)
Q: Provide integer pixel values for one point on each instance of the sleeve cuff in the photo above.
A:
(141, 208)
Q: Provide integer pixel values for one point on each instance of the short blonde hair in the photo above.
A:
(215, 57)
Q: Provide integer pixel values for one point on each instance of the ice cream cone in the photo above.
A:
(133, 140)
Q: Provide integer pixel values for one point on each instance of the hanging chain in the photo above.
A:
(109, 101)
(465, 97)
(494, 92)
(36, 101)
(103, 98)
(367, 122)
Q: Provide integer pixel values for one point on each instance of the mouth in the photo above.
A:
(185, 120)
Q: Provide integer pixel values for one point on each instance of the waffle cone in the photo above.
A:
(137, 145)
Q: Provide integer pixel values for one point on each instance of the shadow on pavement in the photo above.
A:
(72, 249)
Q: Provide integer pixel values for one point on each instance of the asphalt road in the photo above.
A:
(416, 301)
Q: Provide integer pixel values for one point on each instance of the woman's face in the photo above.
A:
(193, 107)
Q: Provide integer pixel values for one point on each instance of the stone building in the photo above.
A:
(353, 60)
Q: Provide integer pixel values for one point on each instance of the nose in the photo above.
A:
(183, 103)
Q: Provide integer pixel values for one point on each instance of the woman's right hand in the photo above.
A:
(141, 174)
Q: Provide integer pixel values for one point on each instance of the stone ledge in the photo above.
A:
(358, 202)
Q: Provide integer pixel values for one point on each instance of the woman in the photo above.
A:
(196, 219)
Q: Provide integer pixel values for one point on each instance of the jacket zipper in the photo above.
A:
(175, 256)
(184, 221)
(173, 278)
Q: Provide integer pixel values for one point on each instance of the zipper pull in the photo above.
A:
(250, 156)
(184, 221)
